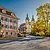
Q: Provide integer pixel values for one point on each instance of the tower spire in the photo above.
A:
(27, 18)
(32, 17)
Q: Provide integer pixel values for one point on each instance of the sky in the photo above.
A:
(23, 7)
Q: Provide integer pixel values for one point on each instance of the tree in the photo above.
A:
(43, 13)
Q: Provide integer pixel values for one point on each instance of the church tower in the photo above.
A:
(32, 21)
(27, 19)
(28, 26)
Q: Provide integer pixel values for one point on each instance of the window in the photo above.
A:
(14, 21)
(0, 10)
(11, 33)
(10, 27)
(9, 13)
(3, 11)
(12, 14)
(6, 33)
(6, 26)
(2, 18)
(5, 19)
(14, 27)
(10, 20)
(2, 25)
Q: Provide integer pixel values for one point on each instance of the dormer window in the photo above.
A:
(12, 14)
(0, 10)
(9, 13)
(3, 11)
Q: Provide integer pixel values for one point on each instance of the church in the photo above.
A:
(28, 24)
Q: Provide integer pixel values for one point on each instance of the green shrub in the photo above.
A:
(33, 33)
(47, 33)
(40, 33)
(37, 33)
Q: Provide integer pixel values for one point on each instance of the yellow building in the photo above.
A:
(29, 24)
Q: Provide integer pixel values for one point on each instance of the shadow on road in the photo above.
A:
(19, 40)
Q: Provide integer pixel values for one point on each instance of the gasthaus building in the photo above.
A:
(8, 22)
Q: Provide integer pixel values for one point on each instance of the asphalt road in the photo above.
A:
(29, 43)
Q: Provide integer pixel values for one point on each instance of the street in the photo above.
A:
(27, 44)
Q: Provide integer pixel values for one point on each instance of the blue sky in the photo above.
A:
(22, 7)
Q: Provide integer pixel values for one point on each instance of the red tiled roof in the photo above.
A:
(23, 24)
(9, 11)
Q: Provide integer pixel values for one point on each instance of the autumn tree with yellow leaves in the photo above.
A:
(43, 20)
